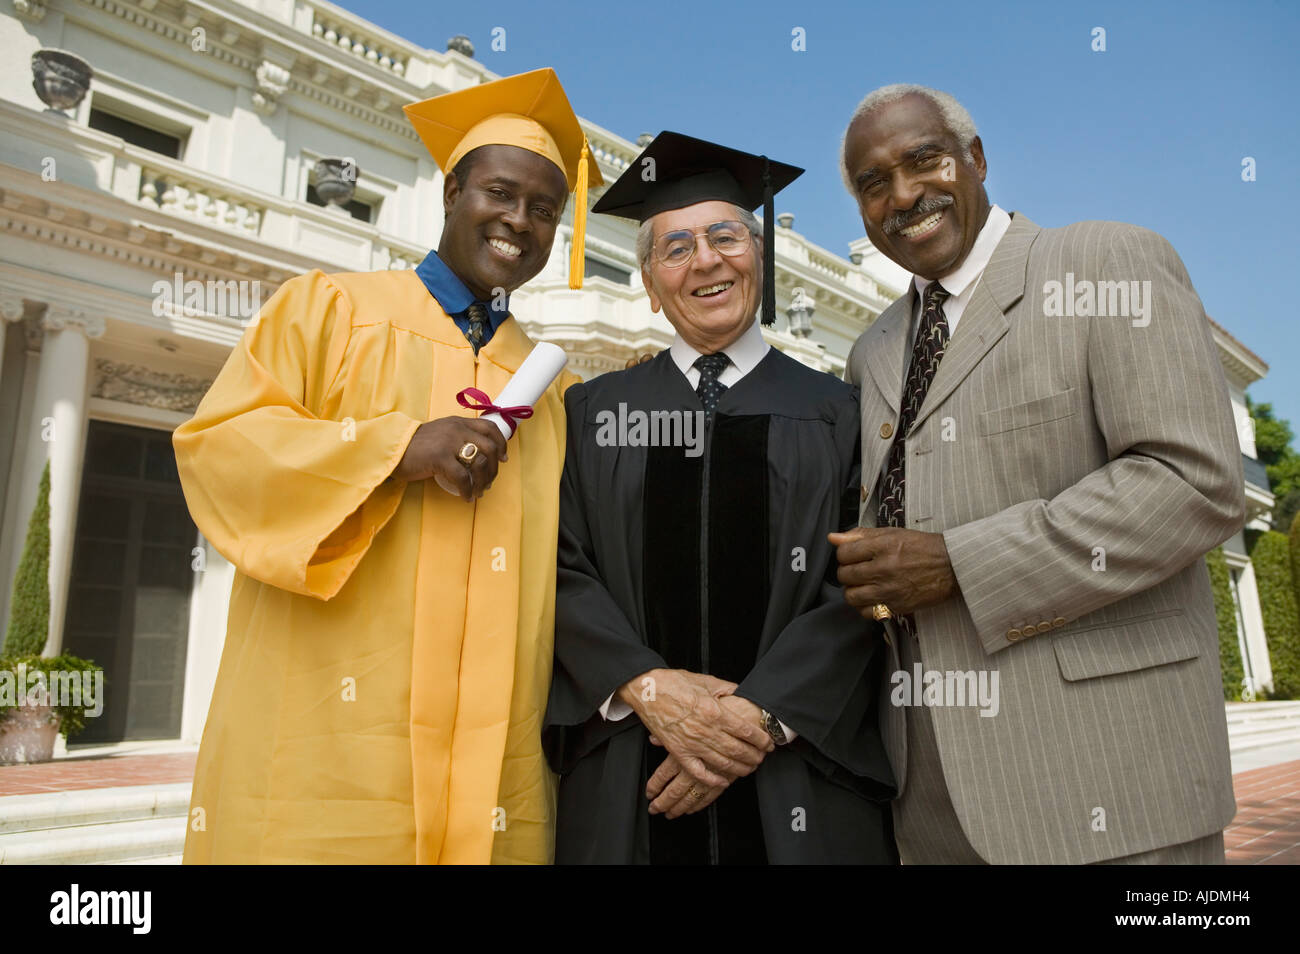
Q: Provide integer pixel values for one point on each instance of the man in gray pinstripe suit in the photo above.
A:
(1048, 452)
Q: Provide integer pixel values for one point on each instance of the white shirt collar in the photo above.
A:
(964, 275)
(745, 352)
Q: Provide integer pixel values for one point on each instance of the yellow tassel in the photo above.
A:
(578, 248)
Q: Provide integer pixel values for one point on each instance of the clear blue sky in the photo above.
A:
(1152, 131)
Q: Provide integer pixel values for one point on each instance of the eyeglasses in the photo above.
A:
(675, 249)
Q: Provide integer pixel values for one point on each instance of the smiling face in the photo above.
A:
(500, 222)
(922, 203)
(712, 300)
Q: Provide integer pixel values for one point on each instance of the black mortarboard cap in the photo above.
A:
(675, 171)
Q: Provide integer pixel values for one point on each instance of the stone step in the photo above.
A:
(1260, 740)
(1270, 723)
(92, 806)
(158, 860)
(1240, 713)
(1265, 728)
(108, 843)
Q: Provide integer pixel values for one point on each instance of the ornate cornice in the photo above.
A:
(270, 70)
(33, 10)
(131, 248)
(11, 308)
(62, 318)
(137, 384)
(351, 107)
(272, 80)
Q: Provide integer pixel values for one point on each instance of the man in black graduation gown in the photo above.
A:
(715, 700)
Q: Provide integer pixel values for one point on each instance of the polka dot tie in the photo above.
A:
(709, 389)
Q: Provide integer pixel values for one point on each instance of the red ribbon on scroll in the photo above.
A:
(511, 415)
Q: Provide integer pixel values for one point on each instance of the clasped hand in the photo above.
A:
(712, 736)
(433, 448)
(903, 569)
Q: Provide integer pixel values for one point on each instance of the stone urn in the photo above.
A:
(60, 78)
(28, 734)
(785, 220)
(461, 44)
(336, 181)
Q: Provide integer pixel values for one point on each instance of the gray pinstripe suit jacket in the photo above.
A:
(1045, 446)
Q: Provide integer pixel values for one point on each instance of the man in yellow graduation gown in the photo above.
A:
(388, 649)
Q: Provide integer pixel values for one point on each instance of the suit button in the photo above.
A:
(1028, 630)
(886, 430)
(1044, 626)
(1013, 635)
(1058, 622)
(864, 492)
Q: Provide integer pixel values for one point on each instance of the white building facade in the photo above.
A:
(140, 229)
(1242, 367)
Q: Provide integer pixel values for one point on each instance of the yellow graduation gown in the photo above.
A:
(388, 648)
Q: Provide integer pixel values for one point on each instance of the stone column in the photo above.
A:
(11, 312)
(57, 432)
(1252, 621)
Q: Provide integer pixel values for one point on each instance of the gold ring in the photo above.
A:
(694, 793)
(881, 611)
(468, 453)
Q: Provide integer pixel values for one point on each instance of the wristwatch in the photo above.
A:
(773, 727)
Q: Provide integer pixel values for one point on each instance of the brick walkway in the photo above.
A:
(1266, 830)
(97, 772)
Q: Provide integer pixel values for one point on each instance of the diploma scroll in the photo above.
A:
(542, 366)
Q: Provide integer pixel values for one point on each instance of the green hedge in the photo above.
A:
(1295, 557)
(1226, 614)
(29, 609)
(1277, 599)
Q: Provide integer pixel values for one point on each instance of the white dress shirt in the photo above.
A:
(959, 283)
(745, 354)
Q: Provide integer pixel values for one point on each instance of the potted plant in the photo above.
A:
(40, 697)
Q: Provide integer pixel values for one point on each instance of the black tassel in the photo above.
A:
(769, 247)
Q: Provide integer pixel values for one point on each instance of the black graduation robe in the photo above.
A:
(716, 563)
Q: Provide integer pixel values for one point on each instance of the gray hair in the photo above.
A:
(646, 234)
(954, 115)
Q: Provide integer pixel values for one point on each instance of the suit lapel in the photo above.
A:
(984, 321)
(885, 360)
(887, 357)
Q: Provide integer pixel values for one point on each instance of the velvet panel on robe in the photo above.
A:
(388, 645)
(649, 540)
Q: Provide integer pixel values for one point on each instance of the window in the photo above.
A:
(136, 134)
(358, 210)
(595, 268)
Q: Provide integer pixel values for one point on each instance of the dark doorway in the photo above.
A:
(129, 598)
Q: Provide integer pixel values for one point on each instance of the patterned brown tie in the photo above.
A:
(478, 318)
(927, 352)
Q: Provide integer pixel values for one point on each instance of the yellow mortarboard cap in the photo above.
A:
(529, 111)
